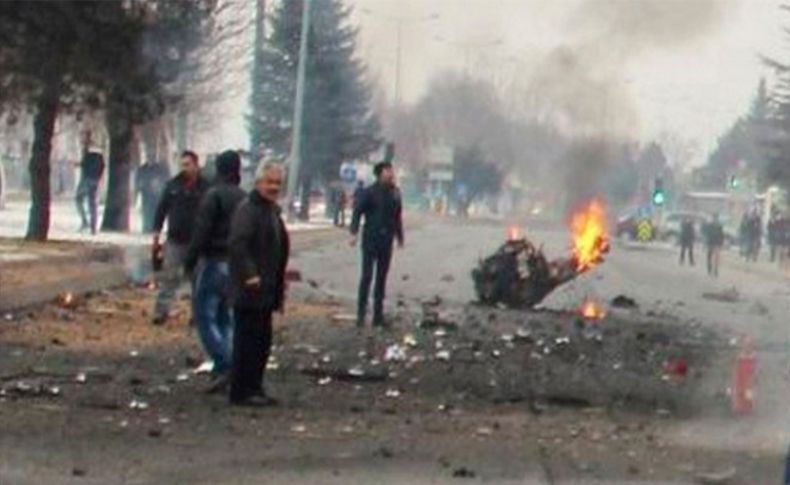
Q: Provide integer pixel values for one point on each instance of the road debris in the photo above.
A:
(717, 478)
(464, 472)
(138, 405)
(622, 301)
(729, 295)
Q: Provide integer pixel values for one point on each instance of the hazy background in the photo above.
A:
(687, 68)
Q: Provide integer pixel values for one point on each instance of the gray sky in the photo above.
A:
(689, 81)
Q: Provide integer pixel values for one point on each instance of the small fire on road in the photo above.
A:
(592, 310)
(590, 238)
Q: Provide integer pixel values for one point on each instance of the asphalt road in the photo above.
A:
(76, 440)
(439, 256)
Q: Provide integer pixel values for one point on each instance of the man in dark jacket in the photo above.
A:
(91, 171)
(687, 237)
(178, 205)
(259, 250)
(149, 182)
(380, 205)
(210, 304)
(714, 240)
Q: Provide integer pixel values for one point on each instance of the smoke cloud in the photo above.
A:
(582, 84)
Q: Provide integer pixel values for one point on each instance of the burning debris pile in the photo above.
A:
(519, 275)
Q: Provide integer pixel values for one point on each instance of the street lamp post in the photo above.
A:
(295, 157)
(399, 22)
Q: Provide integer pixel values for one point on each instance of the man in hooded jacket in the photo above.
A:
(208, 254)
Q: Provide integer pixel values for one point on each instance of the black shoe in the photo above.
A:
(256, 401)
(159, 321)
(219, 385)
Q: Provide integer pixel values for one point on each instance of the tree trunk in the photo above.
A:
(304, 198)
(182, 129)
(116, 210)
(150, 138)
(39, 168)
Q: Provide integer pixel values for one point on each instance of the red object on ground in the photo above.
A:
(677, 368)
(743, 379)
(293, 275)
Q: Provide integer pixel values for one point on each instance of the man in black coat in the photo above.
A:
(91, 171)
(687, 238)
(210, 304)
(259, 249)
(177, 204)
(380, 205)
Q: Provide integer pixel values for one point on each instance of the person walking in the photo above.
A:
(149, 182)
(340, 202)
(177, 205)
(380, 205)
(259, 250)
(207, 259)
(687, 238)
(91, 171)
(714, 241)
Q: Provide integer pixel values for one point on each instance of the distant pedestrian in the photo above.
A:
(340, 201)
(259, 250)
(149, 182)
(358, 191)
(687, 239)
(91, 171)
(714, 241)
(380, 205)
(755, 235)
(207, 259)
(178, 205)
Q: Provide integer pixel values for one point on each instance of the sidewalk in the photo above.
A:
(65, 224)
(78, 263)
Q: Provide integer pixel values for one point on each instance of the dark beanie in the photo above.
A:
(228, 165)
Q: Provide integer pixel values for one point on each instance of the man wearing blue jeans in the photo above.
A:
(208, 253)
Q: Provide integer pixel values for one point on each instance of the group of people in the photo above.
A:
(233, 248)
(713, 235)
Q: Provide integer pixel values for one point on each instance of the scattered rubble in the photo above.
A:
(622, 301)
(729, 295)
(717, 478)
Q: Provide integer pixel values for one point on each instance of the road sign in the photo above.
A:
(348, 172)
(644, 230)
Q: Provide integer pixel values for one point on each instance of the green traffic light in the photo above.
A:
(659, 197)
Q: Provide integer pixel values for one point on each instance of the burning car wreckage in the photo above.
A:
(518, 275)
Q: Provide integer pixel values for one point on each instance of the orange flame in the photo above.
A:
(513, 233)
(592, 310)
(590, 239)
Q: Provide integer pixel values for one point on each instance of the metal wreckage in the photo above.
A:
(518, 275)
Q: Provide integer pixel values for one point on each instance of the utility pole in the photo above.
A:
(256, 77)
(295, 158)
(398, 61)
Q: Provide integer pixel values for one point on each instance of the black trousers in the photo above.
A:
(687, 248)
(376, 256)
(252, 343)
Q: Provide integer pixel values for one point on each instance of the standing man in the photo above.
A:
(358, 191)
(380, 205)
(91, 171)
(178, 205)
(210, 303)
(687, 237)
(149, 181)
(259, 249)
(714, 240)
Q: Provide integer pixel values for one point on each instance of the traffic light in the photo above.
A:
(659, 195)
(734, 182)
